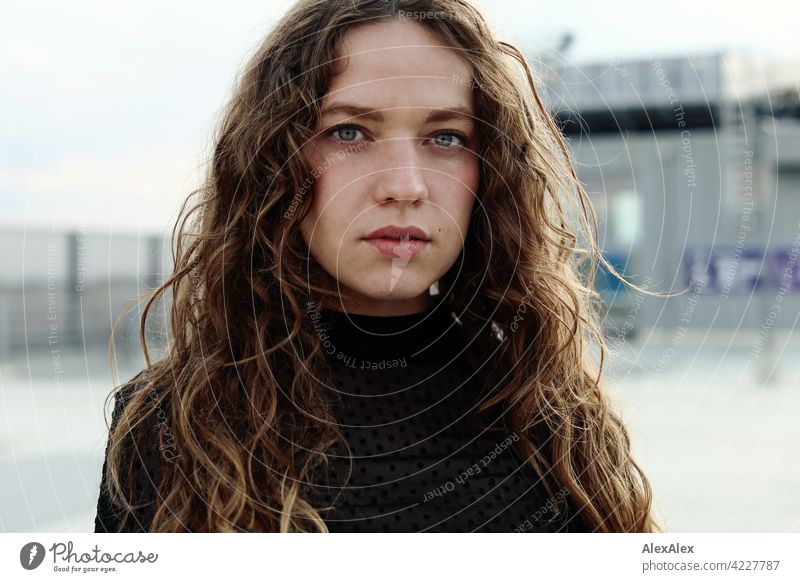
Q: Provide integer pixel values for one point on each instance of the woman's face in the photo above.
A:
(396, 146)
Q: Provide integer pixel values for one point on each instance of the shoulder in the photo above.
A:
(138, 467)
(142, 433)
(139, 435)
(125, 392)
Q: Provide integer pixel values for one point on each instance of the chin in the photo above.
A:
(398, 292)
(403, 285)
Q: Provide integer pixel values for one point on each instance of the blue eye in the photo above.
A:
(347, 130)
(349, 133)
(447, 144)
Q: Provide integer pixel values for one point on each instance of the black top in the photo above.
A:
(421, 459)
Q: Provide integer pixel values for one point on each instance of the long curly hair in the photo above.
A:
(234, 404)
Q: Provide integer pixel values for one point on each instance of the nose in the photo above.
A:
(400, 176)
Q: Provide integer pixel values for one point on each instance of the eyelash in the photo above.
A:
(458, 134)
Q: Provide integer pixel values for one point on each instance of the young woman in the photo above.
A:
(377, 320)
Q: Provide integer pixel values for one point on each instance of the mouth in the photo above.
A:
(404, 248)
(402, 242)
(398, 233)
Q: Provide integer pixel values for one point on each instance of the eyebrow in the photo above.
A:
(437, 114)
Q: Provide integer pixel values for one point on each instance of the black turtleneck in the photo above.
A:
(366, 341)
(421, 459)
(404, 396)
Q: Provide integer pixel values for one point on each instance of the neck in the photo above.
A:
(424, 336)
(381, 308)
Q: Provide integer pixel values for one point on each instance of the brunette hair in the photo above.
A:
(243, 423)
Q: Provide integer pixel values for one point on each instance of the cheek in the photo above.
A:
(464, 213)
(453, 218)
(340, 197)
(328, 218)
(463, 196)
(315, 225)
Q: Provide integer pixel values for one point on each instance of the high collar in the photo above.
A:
(372, 341)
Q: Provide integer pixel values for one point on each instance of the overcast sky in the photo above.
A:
(107, 107)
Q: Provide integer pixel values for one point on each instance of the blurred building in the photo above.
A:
(693, 164)
(63, 290)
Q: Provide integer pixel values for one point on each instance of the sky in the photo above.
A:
(108, 108)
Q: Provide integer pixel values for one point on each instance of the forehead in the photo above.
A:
(400, 63)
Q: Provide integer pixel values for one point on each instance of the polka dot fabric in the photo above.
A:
(420, 461)
(404, 397)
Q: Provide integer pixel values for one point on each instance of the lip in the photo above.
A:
(398, 232)
(404, 248)
(402, 242)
